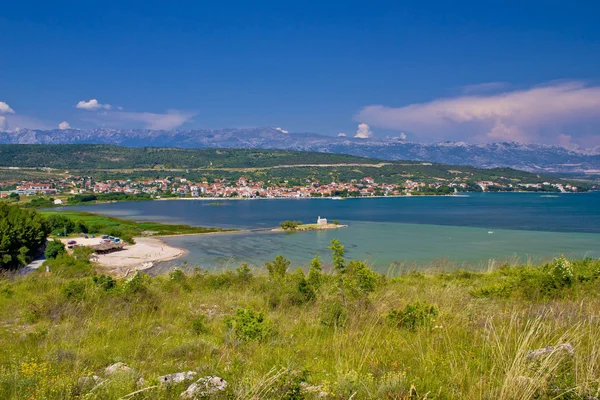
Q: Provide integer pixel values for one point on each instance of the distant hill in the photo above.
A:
(533, 158)
(114, 162)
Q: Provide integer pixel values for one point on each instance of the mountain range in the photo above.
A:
(527, 157)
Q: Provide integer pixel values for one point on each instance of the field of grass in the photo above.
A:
(286, 335)
(127, 228)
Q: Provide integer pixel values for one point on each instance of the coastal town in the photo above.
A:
(246, 188)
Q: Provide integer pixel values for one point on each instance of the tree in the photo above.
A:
(338, 252)
(54, 249)
(23, 232)
(14, 197)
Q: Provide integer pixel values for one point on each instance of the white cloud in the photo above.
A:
(341, 134)
(363, 131)
(281, 130)
(5, 108)
(402, 136)
(92, 105)
(537, 114)
(64, 125)
(3, 124)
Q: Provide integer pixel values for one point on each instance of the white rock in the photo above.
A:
(177, 377)
(117, 368)
(205, 386)
(561, 348)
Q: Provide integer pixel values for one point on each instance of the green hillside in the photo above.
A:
(114, 162)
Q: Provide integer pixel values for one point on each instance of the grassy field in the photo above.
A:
(280, 334)
(127, 228)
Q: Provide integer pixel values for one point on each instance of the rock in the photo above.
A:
(118, 368)
(141, 382)
(561, 348)
(205, 386)
(176, 377)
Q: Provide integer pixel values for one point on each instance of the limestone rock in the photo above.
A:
(177, 377)
(117, 368)
(205, 386)
(565, 348)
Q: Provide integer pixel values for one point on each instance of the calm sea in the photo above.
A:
(476, 231)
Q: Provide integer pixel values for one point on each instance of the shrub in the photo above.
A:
(54, 249)
(278, 267)
(74, 290)
(249, 325)
(244, 273)
(104, 282)
(315, 274)
(297, 290)
(66, 266)
(177, 275)
(135, 284)
(413, 315)
(199, 325)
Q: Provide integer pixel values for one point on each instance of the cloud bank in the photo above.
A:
(169, 120)
(64, 125)
(539, 114)
(281, 130)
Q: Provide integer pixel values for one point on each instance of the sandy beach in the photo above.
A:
(142, 255)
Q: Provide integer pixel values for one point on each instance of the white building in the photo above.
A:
(321, 221)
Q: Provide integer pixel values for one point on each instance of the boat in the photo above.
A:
(337, 198)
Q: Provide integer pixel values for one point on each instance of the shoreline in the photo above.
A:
(143, 254)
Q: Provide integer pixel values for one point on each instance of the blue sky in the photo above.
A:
(428, 71)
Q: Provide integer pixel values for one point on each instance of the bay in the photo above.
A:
(476, 231)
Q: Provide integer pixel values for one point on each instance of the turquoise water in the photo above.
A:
(469, 232)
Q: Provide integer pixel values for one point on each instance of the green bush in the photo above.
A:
(74, 290)
(278, 267)
(315, 274)
(135, 284)
(104, 282)
(413, 315)
(54, 249)
(244, 273)
(249, 325)
(199, 325)
(66, 266)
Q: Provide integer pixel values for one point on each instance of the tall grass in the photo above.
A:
(58, 327)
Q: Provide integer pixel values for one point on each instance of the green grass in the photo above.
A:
(463, 335)
(102, 224)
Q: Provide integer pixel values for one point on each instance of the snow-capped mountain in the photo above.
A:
(528, 157)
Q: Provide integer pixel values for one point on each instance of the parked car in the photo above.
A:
(80, 245)
(104, 236)
(85, 236)
(117, 240)
(69, 247)
(107, 240)
(92, 237)
(71, 242)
